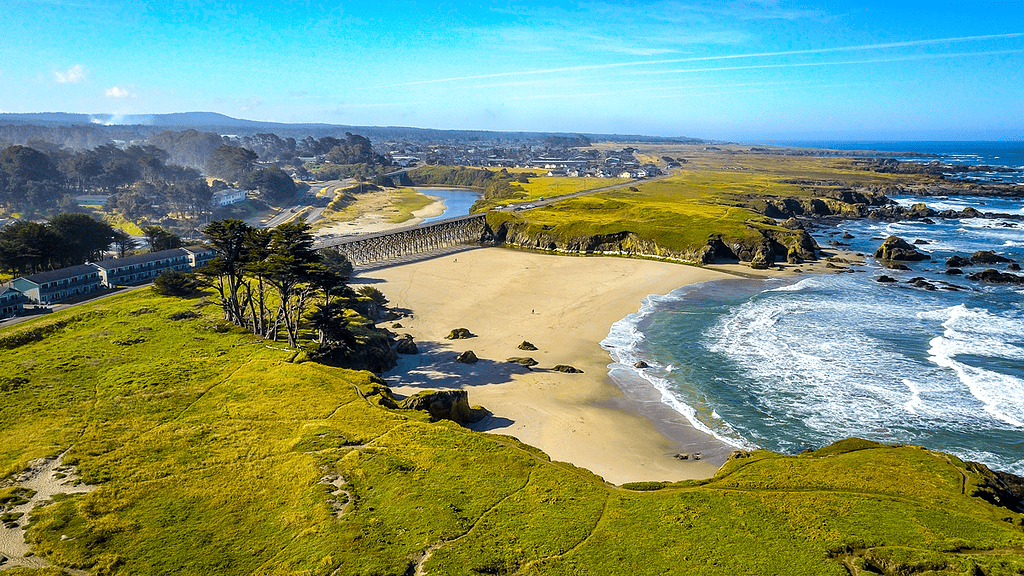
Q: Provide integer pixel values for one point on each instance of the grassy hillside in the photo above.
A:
(217, 453)
(721, 196)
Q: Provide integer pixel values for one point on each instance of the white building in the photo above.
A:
(228, 197)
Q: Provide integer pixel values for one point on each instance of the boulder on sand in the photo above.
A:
(467, 357)
(445, 405)
(527, 346)
(459, 334)
(522, 361)
(565, 368)
(405, 345)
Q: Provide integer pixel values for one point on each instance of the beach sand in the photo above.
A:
(565, 306)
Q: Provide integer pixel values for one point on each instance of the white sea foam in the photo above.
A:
(970, 332)
(621, 343)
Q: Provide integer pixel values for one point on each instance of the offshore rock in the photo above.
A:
(641, 364)
(954, 271)
(1013, 266)
(957, 262)
(994, 276)
(445, 405)
(885, 279)
(897, 249)
(988, 257)
(467, 357)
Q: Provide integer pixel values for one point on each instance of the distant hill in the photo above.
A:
(78, 130)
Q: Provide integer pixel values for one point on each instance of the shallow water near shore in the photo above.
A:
(798, 363)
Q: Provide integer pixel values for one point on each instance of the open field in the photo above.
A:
(215, 452)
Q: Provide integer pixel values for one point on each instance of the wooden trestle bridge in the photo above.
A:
(395, 244)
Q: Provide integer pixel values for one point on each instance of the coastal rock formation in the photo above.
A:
(957, 262)
(405, 345)
(954, 271)
(994, 276)
(445, 405)
(641, 364)
(988, 257)
(521, 233)
(885, 279)
(565, 368)
(526, 346)
(522, 361)
(897, 249)
(467, 357)
(459, 334)
(764, 258)
(1013, 266)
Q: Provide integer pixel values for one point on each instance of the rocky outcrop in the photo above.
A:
(566, 369)
(994, 276)
(445, 405)
(467, 357)
(957, 262)
(988, 257)
(522, 361)
(765, 236)
(526, 346)
(885, 279)
(459, 334)
(406, 345)
(897, 249)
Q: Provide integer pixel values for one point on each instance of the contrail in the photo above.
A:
(710, 58)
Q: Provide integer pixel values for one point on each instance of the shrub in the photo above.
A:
(175, 283)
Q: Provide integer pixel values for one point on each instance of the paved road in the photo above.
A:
(307, 202)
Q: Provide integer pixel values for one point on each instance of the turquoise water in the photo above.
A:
(792, 364)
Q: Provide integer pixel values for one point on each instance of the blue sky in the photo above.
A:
(746, 70)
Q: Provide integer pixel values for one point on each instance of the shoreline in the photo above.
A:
(566, 307)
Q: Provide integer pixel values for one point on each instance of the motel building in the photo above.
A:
(12, 301)
(141, 268)
(57, 285)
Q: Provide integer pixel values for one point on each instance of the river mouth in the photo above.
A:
(457, 201)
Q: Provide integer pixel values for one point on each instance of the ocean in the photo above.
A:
(798, 363)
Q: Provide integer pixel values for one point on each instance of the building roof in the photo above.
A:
(61, 274)
(5, 288)
(197, 248)
(140, 259)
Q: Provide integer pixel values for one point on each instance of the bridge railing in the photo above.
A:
(393, 244)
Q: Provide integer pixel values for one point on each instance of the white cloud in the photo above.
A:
(73, 75)
(116, 92)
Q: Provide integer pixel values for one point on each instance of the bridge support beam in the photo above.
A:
(396, 244)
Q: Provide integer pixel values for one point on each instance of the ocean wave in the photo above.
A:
(624, 338)
(978, 333)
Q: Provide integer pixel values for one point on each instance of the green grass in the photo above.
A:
(405, 201)
(720, 196)
(208, 449)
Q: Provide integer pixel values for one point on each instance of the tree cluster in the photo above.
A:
(66, 240)
(139, 177)
(268, 278)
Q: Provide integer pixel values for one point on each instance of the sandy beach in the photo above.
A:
(565, 306)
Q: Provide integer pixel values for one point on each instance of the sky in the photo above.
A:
(747, 70)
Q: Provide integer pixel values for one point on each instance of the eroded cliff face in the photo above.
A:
(763, 246)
